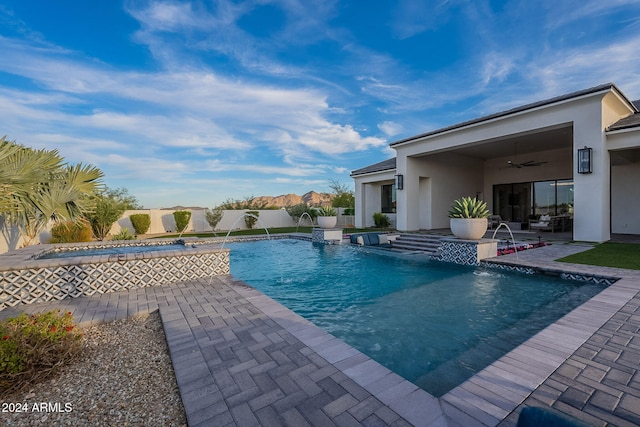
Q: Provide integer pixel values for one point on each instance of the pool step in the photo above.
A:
(418, 242)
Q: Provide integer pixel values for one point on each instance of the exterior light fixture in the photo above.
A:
(584, 160)
(399, 182)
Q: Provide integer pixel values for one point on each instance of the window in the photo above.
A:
(388, 198)
(515, 202)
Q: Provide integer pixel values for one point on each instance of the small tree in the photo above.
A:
(182, 220)
(110, 205)
(141, 222)
(251, 219)
(213, 216)
(344, 197)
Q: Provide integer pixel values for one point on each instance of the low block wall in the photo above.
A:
(30, 280)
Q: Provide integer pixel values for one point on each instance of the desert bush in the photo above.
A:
(123, 234)
(182, 220)
(296, 211)
(381, 220)
(141, 222)
(33, 347)
(213, 216)
(71, 232)
(249, 220)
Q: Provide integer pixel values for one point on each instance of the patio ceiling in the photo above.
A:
(523, 143)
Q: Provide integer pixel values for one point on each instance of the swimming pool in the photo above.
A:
(435, 324)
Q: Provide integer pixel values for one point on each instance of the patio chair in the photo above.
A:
(493, 221)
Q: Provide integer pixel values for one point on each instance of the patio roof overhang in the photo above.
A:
(601, 89)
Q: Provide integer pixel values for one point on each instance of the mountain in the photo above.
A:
(311, 199)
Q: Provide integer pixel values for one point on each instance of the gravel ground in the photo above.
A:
(123, 377)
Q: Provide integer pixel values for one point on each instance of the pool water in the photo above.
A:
(111, 250)
(436, 324)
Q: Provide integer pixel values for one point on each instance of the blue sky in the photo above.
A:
(194, 103)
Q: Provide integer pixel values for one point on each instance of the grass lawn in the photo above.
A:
(609, 254)
(258, 230)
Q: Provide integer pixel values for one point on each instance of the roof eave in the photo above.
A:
(520, 110)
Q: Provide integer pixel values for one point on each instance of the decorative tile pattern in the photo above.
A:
(581, 277)
(589, 278)
(510, 268)
(465, 253)
(33, 285)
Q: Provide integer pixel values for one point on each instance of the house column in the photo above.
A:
(360, 204)
(592, 210)
(407, 200)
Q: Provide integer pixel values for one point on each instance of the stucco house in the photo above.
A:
(575, 158)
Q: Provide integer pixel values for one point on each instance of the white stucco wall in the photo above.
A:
(625, 199)
(432, 185)
(162, 220)
(10, 238)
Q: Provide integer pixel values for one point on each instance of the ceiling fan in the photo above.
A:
(524, 164)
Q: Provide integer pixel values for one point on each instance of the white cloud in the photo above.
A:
(390, 128)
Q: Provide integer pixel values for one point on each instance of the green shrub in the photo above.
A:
(71, 232)
(296, 211)
(141, 222)
(182, 220)
(381, 220)
(32, 347)
(123, 234)
(251, 219)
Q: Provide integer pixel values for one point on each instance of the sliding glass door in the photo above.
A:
(517, 202)
(512, 201)
(553, 197)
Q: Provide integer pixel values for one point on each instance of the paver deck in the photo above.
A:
(242, 359)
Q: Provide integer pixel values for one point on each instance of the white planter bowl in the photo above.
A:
(468, 228)
(327, 221)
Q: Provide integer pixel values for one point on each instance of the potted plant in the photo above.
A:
(468, 218)
(327, 217)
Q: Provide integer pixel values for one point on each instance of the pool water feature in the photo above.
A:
(435, 324)
(111, 250)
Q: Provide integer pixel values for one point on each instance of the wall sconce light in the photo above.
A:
(584, 160)
(399, 182)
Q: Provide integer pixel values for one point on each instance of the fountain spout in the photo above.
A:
(300, 219)
(236, 222)
(513, 240)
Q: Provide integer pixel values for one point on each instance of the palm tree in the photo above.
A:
(37, 187)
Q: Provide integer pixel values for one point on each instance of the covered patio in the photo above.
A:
(573, 159)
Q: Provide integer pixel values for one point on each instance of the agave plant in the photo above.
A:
(469, 207)
(327, 211)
